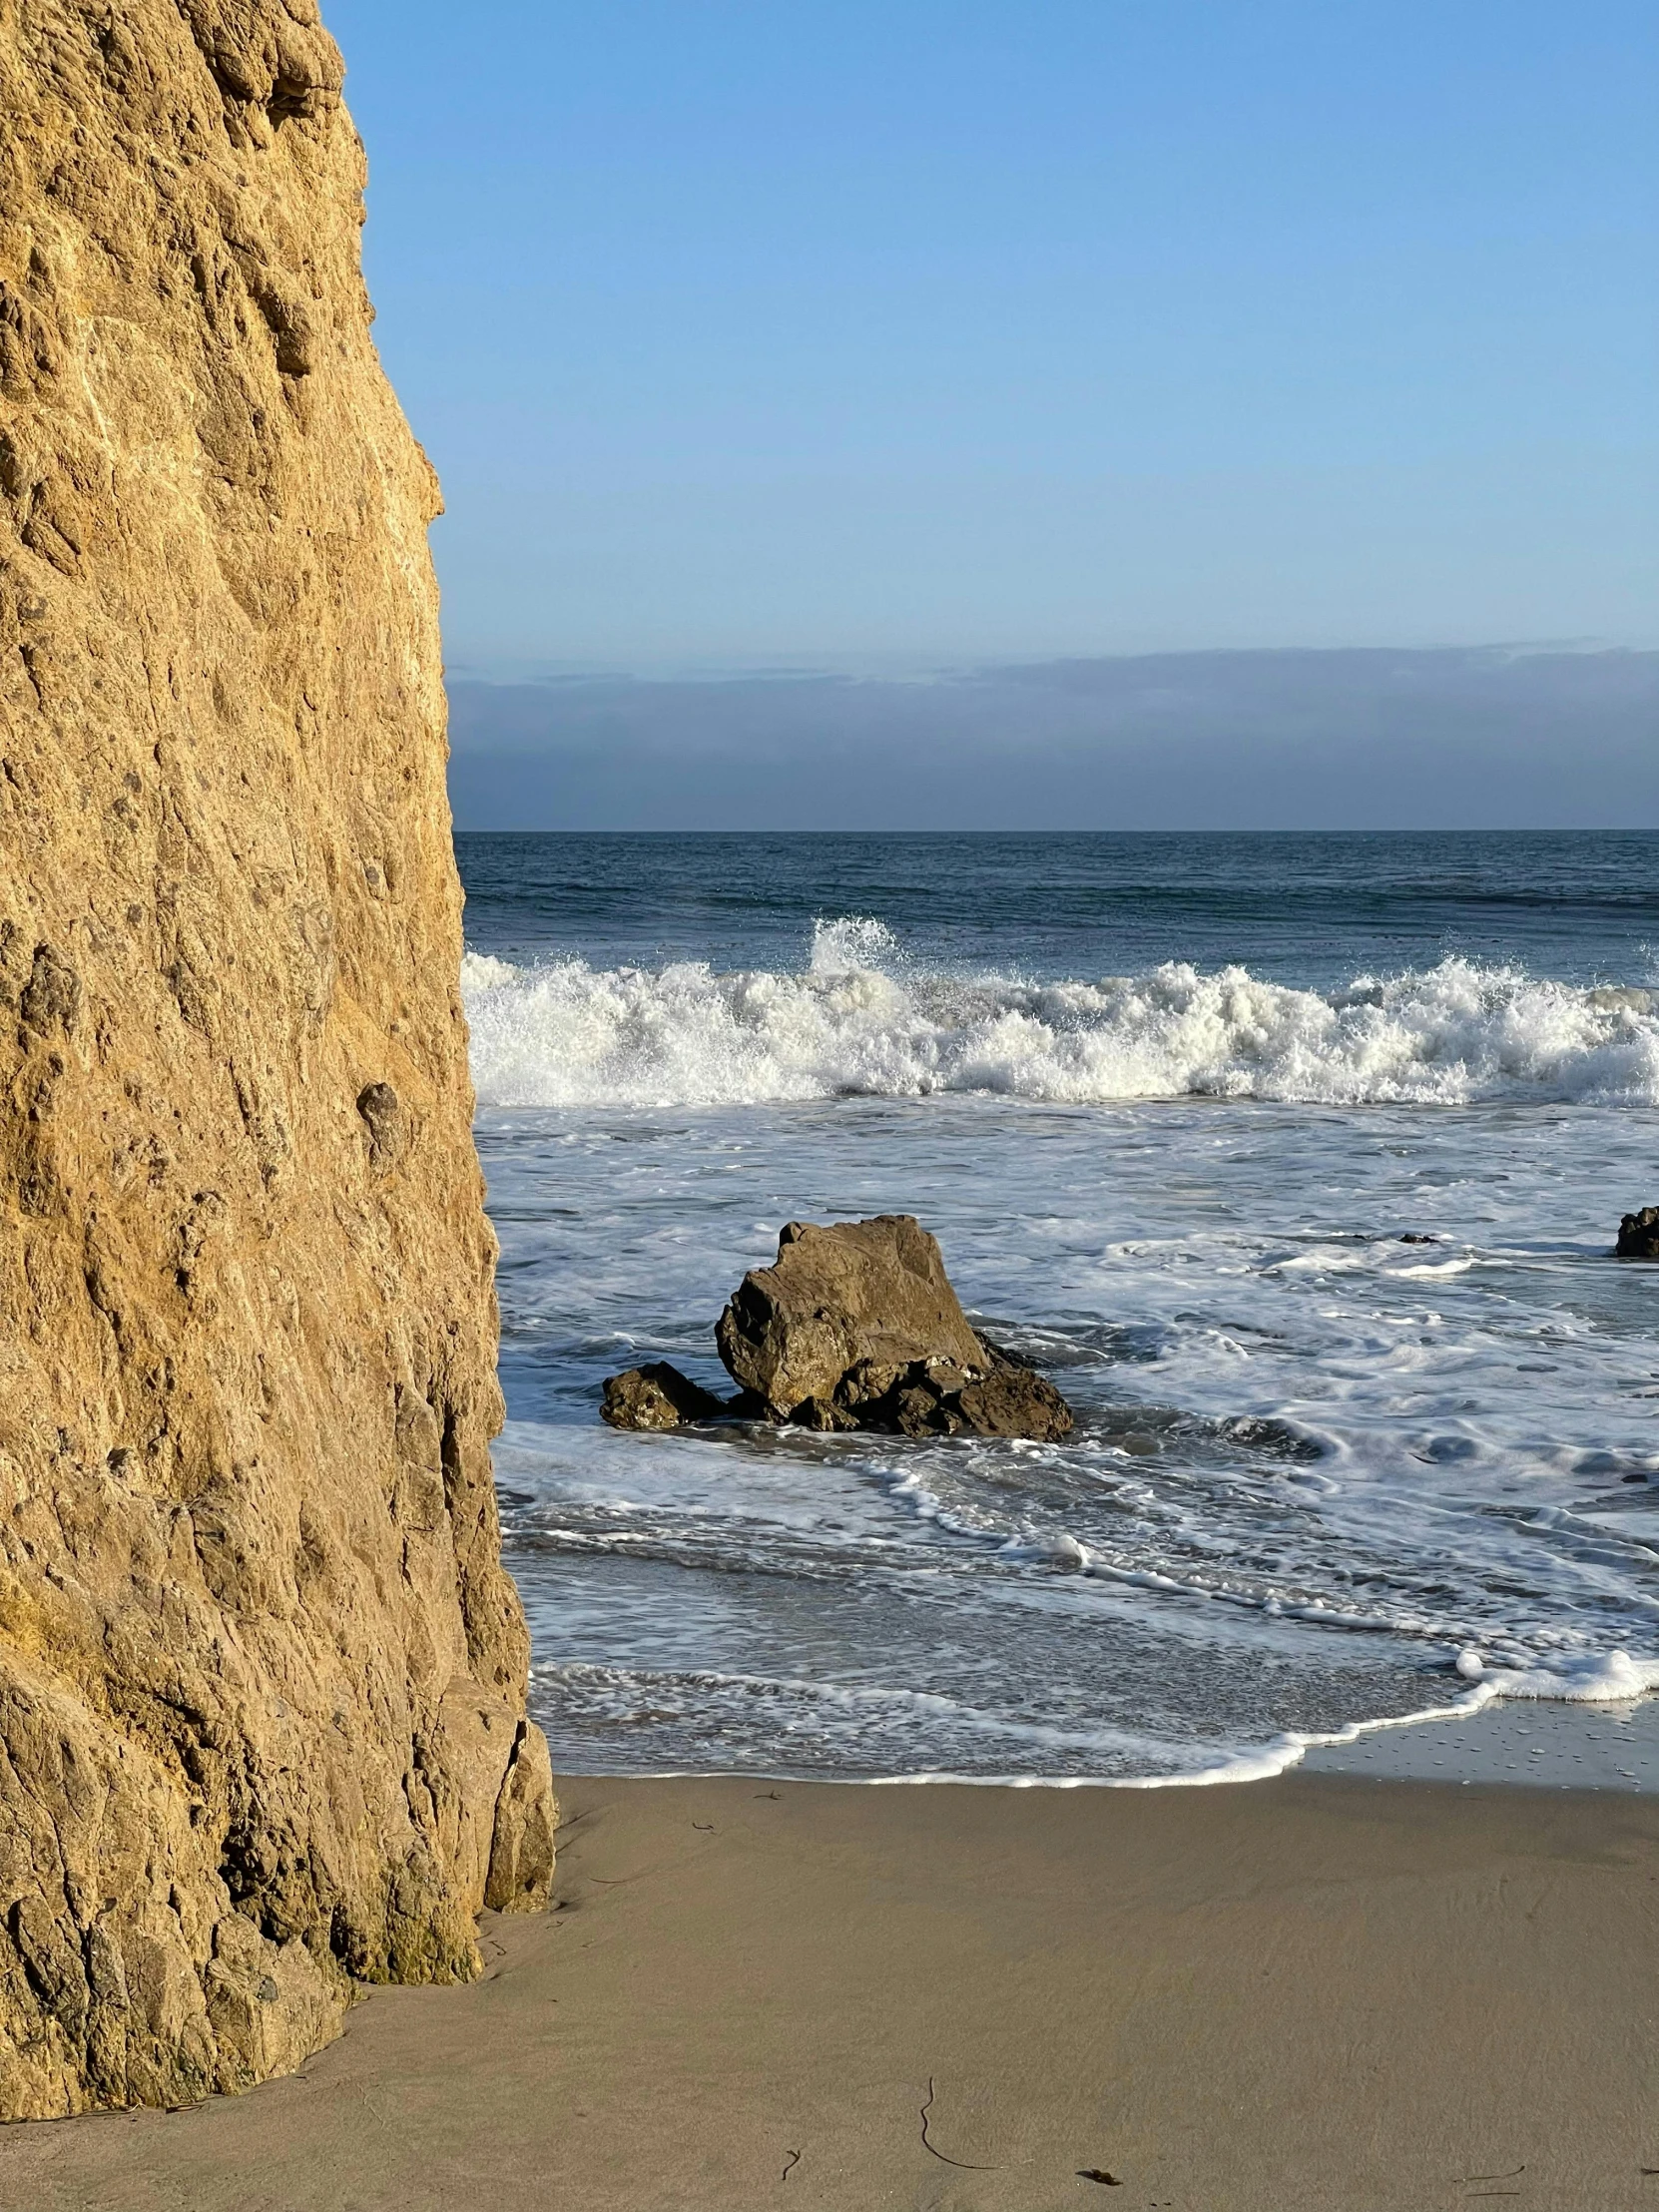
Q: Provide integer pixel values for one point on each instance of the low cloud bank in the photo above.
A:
(1362, 739)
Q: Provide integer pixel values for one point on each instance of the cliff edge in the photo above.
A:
(262, 1672)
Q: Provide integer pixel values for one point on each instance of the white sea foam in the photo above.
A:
(1614, 1679)
(1588, 1678)
(1477, 1606)
(867, 1720)
(854, 1020)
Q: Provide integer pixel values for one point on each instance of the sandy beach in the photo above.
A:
(1317, 1992)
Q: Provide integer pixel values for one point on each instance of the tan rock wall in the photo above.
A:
(262, 1673)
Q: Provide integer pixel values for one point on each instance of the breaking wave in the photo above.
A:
(859, 1021)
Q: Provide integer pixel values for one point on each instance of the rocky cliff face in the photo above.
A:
(261, 1674)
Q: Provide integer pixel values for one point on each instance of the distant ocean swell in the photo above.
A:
(859, 1020)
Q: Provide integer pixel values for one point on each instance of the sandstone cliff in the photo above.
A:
(262, 1673)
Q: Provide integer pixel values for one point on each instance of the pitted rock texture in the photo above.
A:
(657, 1397)
(262, 1673)
(855, 1325)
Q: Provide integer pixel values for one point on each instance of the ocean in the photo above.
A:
(1295, 1161)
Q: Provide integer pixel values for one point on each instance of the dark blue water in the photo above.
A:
(1306, 909)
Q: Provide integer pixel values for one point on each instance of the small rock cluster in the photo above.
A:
(854, 1325)
(1639, 1235)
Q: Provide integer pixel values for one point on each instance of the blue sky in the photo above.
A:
(831, 334)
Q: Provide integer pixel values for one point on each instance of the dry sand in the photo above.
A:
(1308, 1993)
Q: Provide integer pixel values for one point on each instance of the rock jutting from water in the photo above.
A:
(657, 1397)
(262, 1720)
(854, 1325)
(1639, 1235)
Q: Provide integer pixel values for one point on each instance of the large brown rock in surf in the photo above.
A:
(855, 1325)
(262, 1673)
(1639, 1235)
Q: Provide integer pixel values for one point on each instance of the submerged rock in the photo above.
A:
(1639, 1235)
(657, 1397)
(855, 1325)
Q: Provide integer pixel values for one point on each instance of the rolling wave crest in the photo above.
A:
(857, 1020)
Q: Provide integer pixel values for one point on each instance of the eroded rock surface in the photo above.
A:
(657, 1397)
(1639, 1235)
(261, 1674)
(855, 1325)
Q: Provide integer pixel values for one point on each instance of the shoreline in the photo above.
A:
(1329, 1992)
(1578, 1743)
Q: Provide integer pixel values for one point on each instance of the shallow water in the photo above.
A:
(1171, 1106)
(1531, 1743)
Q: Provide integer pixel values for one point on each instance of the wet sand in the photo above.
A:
(1538, 1743)
(1314, 1994)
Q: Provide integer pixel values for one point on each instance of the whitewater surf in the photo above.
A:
(1318, 1245)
